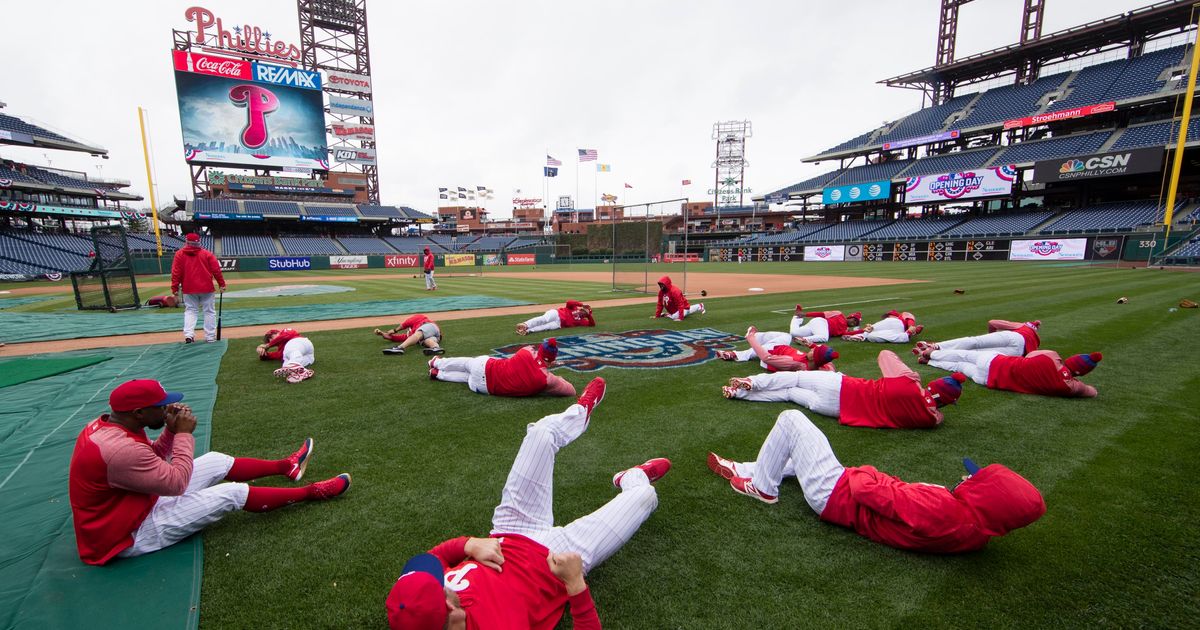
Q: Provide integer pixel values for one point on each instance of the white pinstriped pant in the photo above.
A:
(795, 447)
(469, 370)
(299, 351)
(430, 283)
(816, 331)
(768, 339)
(193, 304)
(681, 313)
(819, 391)
(546, 321)
(974, 363)
(204, 502)
(527, 503)
(889, 330)
(1005, 342)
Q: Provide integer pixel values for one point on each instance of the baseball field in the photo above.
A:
(1117, 546)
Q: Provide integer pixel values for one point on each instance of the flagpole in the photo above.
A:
(595, 185)
(576, 202)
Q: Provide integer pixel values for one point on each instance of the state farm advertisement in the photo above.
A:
(985, 182)
(1049, 249)
(522, 259)
(401, 260)
(347, 262)
(1077, 112)
(824, 253)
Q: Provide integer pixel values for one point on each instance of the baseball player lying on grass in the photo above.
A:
(526, 373)
(417, 329)
(1014, 339)
(895, 327)
(896, 401)
(163, 301)
(1040, 372)
(572, 315)
(822, 325)
(775, 354)
(131, 496)
(671, 302)
(990, 501)
(296, 352)
(526, 572)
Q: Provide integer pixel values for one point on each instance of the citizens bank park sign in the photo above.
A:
(639, 349)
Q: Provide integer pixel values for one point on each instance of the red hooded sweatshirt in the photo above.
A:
(194, 268)
(670, 298)
(570, 316)
(278, 341)
(931, 518)
(427, 263)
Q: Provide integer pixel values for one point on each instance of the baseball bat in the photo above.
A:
(220, 311)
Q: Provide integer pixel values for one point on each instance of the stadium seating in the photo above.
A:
(1108, 217)
(489, 244)
(522, 242)
(1009, 101)
(449, 243)
(274, 208)
(950, 162)
(309, 246)
(145, 242)
(914, 228)
(12, 123)
(1155, 134)
(380, 211)
(209, 243)
(852, 143)
(365, 245)
(16, 176)
(55, 179)
(1000, 224)
(1142, 74)
(1090, 85)
(1191, 250)
(65, 242)
(1052, 148)
(412, 244)
(925, 121)
(329, 211)
(844, 231)
(241, 245)
(223, 206)
(32, 250)
(873, 172)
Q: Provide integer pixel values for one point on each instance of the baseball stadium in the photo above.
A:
(854, 392)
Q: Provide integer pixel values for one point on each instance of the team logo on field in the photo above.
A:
(659, 348)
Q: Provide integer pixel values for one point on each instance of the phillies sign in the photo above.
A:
(638, 349)
(1077, 112)
(244, 39)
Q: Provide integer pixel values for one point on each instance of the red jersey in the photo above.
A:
(1029, 375)
(275, 350)
(194, 269)
(519, 375)
(932, 518)
(1032, 340)
(427, 263)
(891, 402)
(570, 317)
(670, 299)
(837, 325)
(788, 351)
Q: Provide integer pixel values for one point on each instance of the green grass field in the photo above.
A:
(1117, 547)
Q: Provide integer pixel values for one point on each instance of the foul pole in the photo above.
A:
(150, 186)
(1180, 140)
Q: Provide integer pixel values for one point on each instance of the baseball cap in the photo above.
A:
(970, 465)
(548, 351)
(947, 389)
(417, 599)
(1081, 364)
(193, 237)
(823, 354)
(140, 393)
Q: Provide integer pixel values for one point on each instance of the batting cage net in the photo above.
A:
(636, 236)
(109, 283)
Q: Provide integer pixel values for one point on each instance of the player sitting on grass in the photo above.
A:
(896, 401)
(1040, 372)
(672, 303)
(525, 373)
(822, 325)
(990, 501)
(131, 496)
(775, 354)
(417, 329)
(527, 570)
(895, 327)
(296, 352)
(570, 316)
(1014, 339)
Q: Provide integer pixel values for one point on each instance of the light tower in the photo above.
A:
(730, 165)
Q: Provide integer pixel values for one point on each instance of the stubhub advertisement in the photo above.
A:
(289, 263)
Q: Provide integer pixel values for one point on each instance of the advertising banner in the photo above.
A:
(228, 264)
(347, 262)
(521, 259)
(868, 191)
(824, 253)
(351, 106)
(223, 216)
(491, 259)
(353, 155)
(1049, 249)
(289, 263)
(987, 182)
(460, 260)
(324, 218)
(912, 142)
(401, 260)
(221, 178)
(1107, 247)
(681, 258)
(15, 137)
(29, 206)
(1065, 114)
(1099, 165)
(347, 82)
(249, 114)
(348, 131)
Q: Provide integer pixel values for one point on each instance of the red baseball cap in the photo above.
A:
(141, 393)
(417, 599)
(193, 237)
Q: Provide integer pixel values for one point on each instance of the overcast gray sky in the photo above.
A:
(474, 93)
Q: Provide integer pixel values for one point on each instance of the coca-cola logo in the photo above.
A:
(1046, 248)
(223, 67)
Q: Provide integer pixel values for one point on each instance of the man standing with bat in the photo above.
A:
(193, 270)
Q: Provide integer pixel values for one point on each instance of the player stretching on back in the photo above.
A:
(823, 325)
(417, 329)
(570, 316)
(526, 373)
(296, 352)
(1014, 339)
(1040, 372)
(775, 354)
(527, 570)
(895, 327)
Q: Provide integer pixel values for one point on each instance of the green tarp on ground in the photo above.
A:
(43, 584)
(24, 369)
(21, 327)
(22, 301)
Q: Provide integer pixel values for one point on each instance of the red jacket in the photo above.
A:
(275, 345)
(427, 265)
(194, 269)
(896, 401)
(670, 298)
(931, 518)
(570, 316)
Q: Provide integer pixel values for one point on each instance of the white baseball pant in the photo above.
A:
(469, 370)
(768, 339)
(974, 363)
(816, 331)
(204, 502)
(527, 503)
(546, 321)
(1005, 342)
(299, 351)
(193, 303)
(681, 314)
(890, 330)
(795, 447)
(429, 282)
(818, 391)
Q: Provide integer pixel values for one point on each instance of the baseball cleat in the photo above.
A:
(330, 488)
(522, 329)
(593, 394)
(917, 330)
(729, 392)
(743, 485)
(433, 352)
(853, 337)
(702, 311)
(799, 310)
(299, 460)
(726, 355)
(1035, 324)
(721, 466)
(433, 372)
(741, 382)
(654, 469)
(189, 340)
(300, 374)
(433, 363)
(919, 349)
(393, 350)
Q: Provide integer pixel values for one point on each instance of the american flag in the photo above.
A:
(550, 161)
(628, 186)
(687, 182)
(587, 155)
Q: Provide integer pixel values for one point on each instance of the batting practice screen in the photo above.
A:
(636, 235)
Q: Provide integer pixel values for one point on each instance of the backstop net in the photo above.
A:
(635, 233)
(109, 283)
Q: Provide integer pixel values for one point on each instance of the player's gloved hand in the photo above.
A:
(486, 551)
(568, 567)
(180, 419)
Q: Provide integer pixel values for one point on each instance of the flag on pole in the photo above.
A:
(687, 182)
(548, 171)
(628, 186)
(588, 155)
(461, 189)
(603, 168)
(443, 196)
(550, 161)
(441, 190)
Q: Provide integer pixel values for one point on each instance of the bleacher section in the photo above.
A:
(845, 231)
(521, 242)
(12, 123)
(1142, 74)
(1027, 152)
(449, 243)
(1009, 101)
(329, 211)
(1191, 250)
(16, 176)
(925, 121)
(489, 244)
(365, 245)
(412, 244)
(872, 172)
(1155, 134)
(951, 162)
(1000, 225)
(41, 253)
(1109, 217)
(914, 228)
(223, 206)
(209, 243)
(239, 245)
(273, 208)
(380, 211)
(1090, 85)
(309, 246)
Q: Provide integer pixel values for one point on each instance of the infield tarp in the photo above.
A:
(43, 583)
(24, 369)
(21, 327)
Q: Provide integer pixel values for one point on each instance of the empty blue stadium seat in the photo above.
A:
(222, 206)
(914, 228)
(277, 208)
(12, 123)
(412, 244)
(1052, 148)
(845, 231)
(872, 172)
(380, 211)
(951, 162)
(42, 253)
(1010, 101)
(309, 246)
(365, 245)
(241, 245)
(1117, 216)
(1090, 85)
(925, 121)
(1142, 74)
(995, 224)
(329, 211)
(1155, 134)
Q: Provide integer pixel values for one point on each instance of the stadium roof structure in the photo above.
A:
(17, 131)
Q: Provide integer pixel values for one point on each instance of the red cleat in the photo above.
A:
(721, 466)
(741, 382)
(743, 485)
(729, 391)
(592, 395)
(655, 469)
(799, 310)
(330, 488)
(299, 460)
(726, 355)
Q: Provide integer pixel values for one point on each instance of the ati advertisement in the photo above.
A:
(986, 182)
(521, 259)
(402, 260)
(249, 114)
(347, 262)
(1049, 249)
(1099, 165)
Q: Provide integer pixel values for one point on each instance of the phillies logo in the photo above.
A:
(259, 102)
(822, 252)
(1046, 248)
(658, 348)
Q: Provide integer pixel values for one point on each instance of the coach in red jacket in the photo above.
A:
(672, 303)
(193, 270)
(991, 501)
(427, 267)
